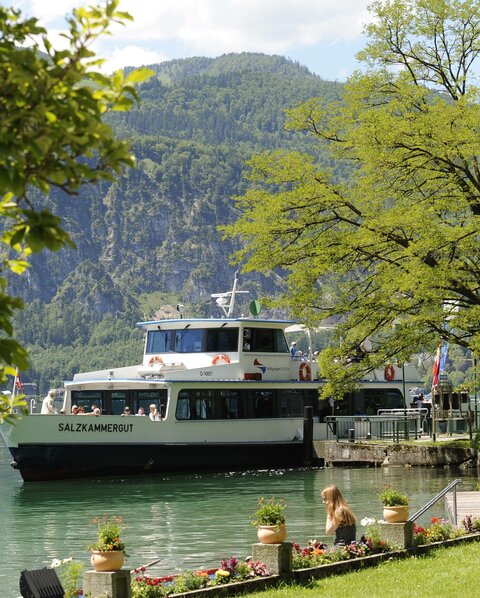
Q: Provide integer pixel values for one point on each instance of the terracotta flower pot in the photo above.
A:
(107, 561)
(395, 514)
(272, 534)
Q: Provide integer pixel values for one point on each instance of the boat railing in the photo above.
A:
(384, 427)
(451, 487)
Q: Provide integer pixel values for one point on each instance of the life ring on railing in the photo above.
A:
(304, 371)
(221, 358)
(155, 360)
(389, 372)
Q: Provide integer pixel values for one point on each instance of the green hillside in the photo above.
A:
(151, 236)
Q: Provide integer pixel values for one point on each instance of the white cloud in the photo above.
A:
(213, 26)
(226, 25)
(322, 34)
(116, 58)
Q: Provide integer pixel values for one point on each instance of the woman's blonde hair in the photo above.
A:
(337, 508)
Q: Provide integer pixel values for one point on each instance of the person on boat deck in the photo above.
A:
(293, 349)
(97, 412)
(141, 411)
(75, 410)
(93, 407)
(48, 403)
(154, 415)
(340, 518)
(126, 412)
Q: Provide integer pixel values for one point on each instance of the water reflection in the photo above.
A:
(188, 522)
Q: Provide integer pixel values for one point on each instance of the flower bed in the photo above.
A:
(440, 530)
(316, 554)
(230, 571)
(312, 561)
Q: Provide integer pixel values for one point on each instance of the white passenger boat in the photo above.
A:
(228, 391)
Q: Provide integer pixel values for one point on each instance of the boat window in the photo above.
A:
(118, 402)
(114, 402)
(208, 404)
(364, 401)
(264, 340)
(145, 398)
(87, 398)
(192, 340)
(188, 341)
(221, 340)
(159, 341)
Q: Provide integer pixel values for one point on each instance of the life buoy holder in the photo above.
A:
(304, 371)
(389, 372)
(155, 360)
(221, 359)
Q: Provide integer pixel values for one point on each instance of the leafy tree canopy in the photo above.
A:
(52, 135)
(393, 252)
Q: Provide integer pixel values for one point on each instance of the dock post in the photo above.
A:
(307, 435)
(114, 584)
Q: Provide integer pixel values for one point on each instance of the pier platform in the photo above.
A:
(468, 503)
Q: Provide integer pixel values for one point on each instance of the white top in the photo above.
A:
(48, 406)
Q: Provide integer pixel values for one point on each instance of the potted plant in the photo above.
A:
(108, 552)
(395, 505)
(269, 518)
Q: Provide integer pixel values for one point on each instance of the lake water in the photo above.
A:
(188, 522)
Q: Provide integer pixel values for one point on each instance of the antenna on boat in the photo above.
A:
(226, 301)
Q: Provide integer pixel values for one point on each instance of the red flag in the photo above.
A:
(18, 383)
(436, 365)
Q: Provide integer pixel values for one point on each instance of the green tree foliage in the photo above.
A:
(393, 252)
(52, 136)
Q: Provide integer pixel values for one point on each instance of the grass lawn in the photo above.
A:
(445, 572)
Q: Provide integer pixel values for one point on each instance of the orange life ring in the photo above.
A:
(221, 358)
(304, 371)
(389, 372)
(156, 359)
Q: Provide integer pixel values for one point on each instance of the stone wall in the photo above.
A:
(358, 453)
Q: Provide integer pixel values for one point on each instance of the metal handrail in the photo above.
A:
(437, 497)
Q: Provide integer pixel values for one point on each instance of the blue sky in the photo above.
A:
(323, 35)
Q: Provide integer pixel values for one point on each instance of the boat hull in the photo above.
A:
(40, 462)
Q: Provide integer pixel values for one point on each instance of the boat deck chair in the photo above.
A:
(41, 583)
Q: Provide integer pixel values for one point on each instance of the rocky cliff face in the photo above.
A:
(156, 228)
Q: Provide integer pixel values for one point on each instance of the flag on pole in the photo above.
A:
(436, 365)
(443, 357)
(18, 384)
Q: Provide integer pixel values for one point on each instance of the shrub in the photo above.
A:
(269, 512)
(393, 498)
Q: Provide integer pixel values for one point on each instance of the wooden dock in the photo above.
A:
(468, 503)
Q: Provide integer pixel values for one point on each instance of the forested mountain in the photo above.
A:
(151, 237)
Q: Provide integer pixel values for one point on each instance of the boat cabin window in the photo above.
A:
(208, 404)
(264, 340)
(114, 402)
(87, 398)
(364, 401)
(192, 340)
(188, 341)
